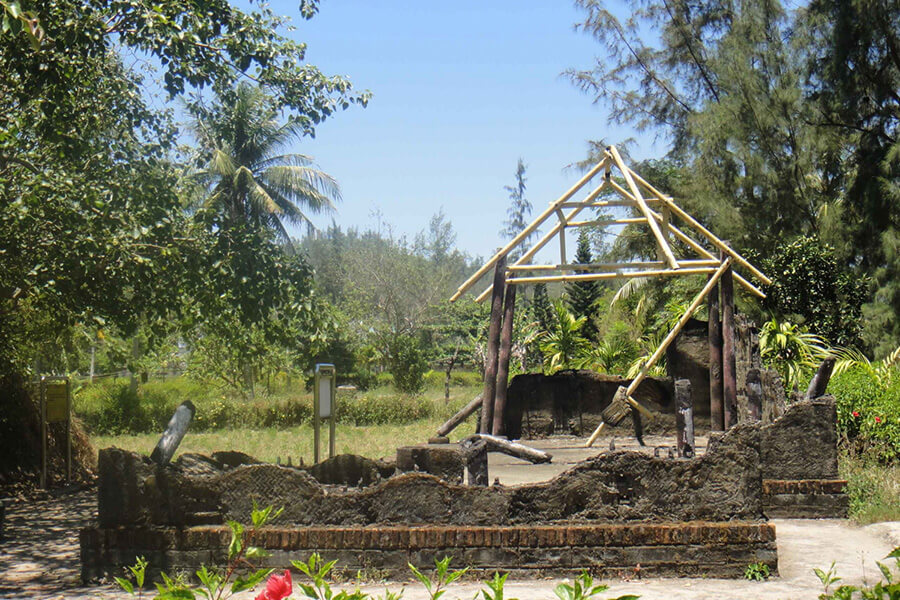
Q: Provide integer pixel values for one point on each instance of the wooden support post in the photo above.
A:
(684, 419)
(506, 334)
(820, 380)
(493, 347)
(716, 393)
(729, 370)
(463, 414)
(754, 395)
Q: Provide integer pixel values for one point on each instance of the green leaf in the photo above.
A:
(125, 585)
(245, 583)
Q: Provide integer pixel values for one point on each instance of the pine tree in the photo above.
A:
(582, 296)
(519, 210)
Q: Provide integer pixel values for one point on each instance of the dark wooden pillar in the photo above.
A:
(729, 370)
(715, 362)
(493, 346)
(820, 380)
(506, 334)
(684, 418)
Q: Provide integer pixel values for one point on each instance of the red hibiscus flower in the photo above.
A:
(855, 414)
(878, 419)
(277, 588)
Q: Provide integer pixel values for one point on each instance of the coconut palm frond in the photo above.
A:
(629, 288)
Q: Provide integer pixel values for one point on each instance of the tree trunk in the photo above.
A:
(729, 371)
(716, 418)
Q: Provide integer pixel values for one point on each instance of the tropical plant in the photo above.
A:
(791, 351)
(563, 346)
(881, 371)
(248, 179)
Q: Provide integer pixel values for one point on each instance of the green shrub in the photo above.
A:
(384, 380)
(868, 412)
(408, 364)
(380, 409)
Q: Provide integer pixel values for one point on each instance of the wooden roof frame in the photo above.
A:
(660, 227)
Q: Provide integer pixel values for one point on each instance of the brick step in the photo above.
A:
(805, 498)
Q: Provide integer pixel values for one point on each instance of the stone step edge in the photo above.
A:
(422, 537)
(772, 487)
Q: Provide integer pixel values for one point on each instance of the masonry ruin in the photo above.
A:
(684, 512)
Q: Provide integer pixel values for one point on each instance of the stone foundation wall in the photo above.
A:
(805, 498)
(570, 402)
(662, 549)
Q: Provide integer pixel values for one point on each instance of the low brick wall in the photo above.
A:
(805, 498)
(661, 549)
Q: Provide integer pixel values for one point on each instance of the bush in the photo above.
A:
(868, 412)
(408, 364)
(380, 409)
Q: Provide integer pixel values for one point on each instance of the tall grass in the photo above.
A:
(114, 408)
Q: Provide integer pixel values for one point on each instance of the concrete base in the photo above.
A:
(654, 549)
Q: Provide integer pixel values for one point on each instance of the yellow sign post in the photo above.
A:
(56, 407)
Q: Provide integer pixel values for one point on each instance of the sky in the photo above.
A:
(461, 91)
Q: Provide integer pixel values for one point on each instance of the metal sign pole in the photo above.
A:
(324, 406)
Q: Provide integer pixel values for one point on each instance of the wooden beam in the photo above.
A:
(493, 348)
(729, 366)
(463, 414)
(609, 204)
(714, 333)
(527, 231)
(642, 206)
(715, 241)
(506, 334)
(525, 258)
(613, 275)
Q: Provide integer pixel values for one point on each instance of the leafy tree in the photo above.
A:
(247, 178)
(582, 296)
(408, 364)
(90, 200)
(812, 289)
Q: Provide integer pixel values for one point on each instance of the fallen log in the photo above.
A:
(497, 444)
(464, 413)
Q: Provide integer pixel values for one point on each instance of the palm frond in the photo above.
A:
(629, 288)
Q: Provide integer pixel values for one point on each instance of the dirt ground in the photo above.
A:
(39, 556)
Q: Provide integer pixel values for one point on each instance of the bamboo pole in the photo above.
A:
(609, 203)
(607, 223)
(548, 236)
(668, 340)
(613, 275)
(660, 240)
(613, 266)
(528, 230)
(492, 355)
(506, 333)
(690, 242)
(715, 241)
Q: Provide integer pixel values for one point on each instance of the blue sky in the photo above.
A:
(461, 91)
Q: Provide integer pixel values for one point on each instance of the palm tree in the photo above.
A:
(247, 178)
(564, 347)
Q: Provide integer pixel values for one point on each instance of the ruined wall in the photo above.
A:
(688, 358)
(570, 402)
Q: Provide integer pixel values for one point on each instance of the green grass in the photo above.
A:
(391, 420)
(374, 441)
(874, 489)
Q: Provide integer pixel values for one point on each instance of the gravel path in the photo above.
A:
(39, 559)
